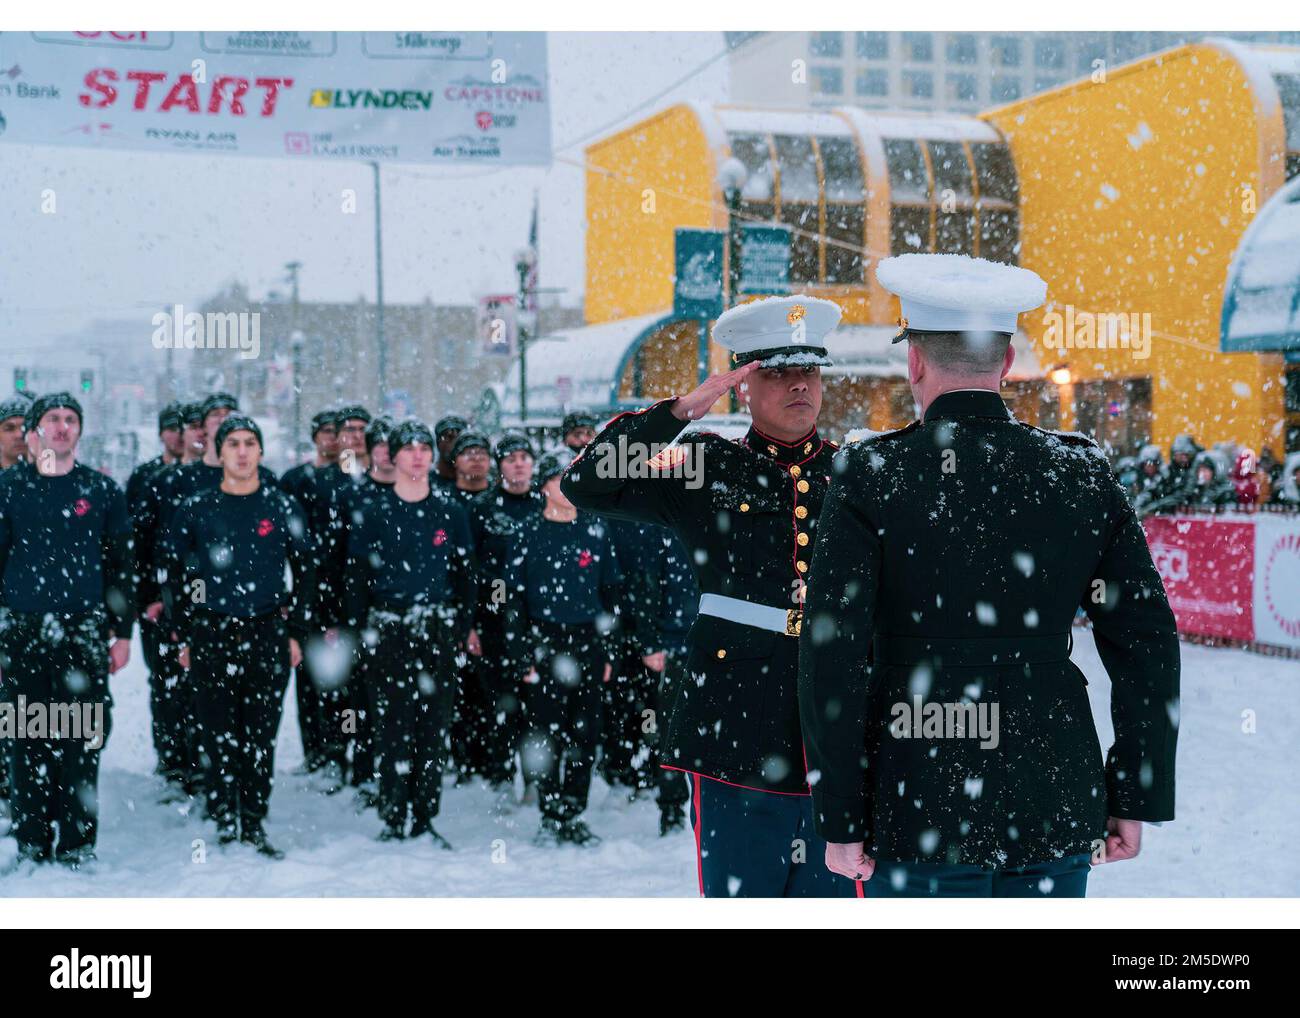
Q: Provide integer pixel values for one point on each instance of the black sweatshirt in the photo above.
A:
(563, 572)
(403, 554)
(237, 546)
(495, 517)
(65, 545)
(144, 500)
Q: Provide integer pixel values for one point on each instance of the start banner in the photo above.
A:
(1235, 576)
(401, 97)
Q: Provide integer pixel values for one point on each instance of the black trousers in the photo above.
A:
(623, 699)
(170, 711)
(564, 717)
(343, 718)
(310, 698)
(61, 663)
(504, 699)
(673, 791)
(412, 673)
(240, 671)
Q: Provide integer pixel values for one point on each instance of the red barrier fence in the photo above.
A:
(1232, 576)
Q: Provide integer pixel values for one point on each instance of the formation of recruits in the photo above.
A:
(433, 608)
(1226, 476)
(445, 597)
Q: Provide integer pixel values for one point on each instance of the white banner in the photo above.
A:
(1276, 593)
(402, 97)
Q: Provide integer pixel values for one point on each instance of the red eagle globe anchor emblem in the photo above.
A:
(584, 559)
(439, 537)
(81, 506)
(264, 527)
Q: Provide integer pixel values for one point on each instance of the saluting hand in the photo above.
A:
(849, 860)
(695, 404)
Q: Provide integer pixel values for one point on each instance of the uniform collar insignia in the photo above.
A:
(784, 453)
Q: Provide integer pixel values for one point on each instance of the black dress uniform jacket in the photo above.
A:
(748, 530)
(957, 551)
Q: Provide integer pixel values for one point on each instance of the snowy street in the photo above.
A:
(1238, 810)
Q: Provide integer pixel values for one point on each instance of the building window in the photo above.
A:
(800, 205)
(1049, 52)
(909, 197)
(758, 195)
(954, 221)
(873, 81)
(962, 88)
(873, 45)
(828, 80)
(962, 48)
(1005, 88)
(918, 84)
(1005, 51)
(918, 47)
(846, 196)
(827, 44)
(1042, 84)
(998, 207)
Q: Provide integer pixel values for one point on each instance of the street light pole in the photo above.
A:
(525, 259)
(382, 359)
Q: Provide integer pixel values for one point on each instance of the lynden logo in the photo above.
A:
(439, 537)
(81, 507)
(75, 971)
(1084, 330)
(214, 330)
(584, 558)
(264, 528)
(369, 99)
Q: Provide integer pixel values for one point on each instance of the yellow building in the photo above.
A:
(1129, 194)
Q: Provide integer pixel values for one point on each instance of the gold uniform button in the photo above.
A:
(802, 539)
(801, 511)
(722, 653)
(772, 449)
(801, 566)
(795, 471)
(802, 485)
(744, 507)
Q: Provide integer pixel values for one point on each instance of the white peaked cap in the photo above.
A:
(957, 293)
(781, 325)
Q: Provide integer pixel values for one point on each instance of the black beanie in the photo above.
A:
(220, 401)
(42, 405)
(378, 431)
(191, 413)
(470, 440)
(551, 465)
(409, 432)
(238, 422)
(324, 419)
(451, 422)
(353, 412)
(169, 417)
(512, 443)
(578, 419)
(16, 407)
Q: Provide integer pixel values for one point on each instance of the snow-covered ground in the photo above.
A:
(1238, 806)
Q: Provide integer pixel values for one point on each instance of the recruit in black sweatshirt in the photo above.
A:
(65, 545)
(403, 554)
(238, 546)
(495, 517)
(563, 572)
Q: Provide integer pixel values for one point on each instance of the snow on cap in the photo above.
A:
(777, 326)
(957, 293)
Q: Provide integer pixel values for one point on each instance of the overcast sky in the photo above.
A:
(135, 231)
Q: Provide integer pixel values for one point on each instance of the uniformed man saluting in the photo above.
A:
(746, 512)
(963, 760)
